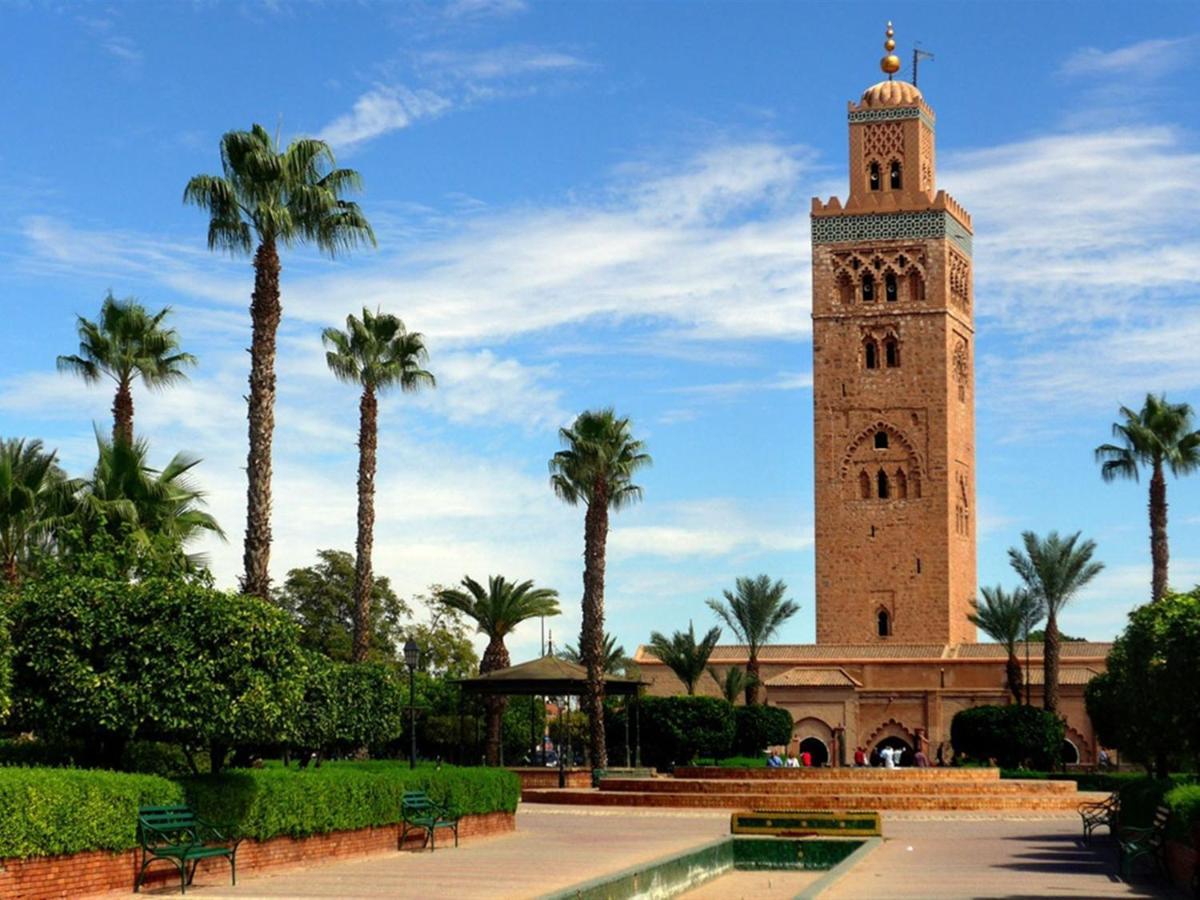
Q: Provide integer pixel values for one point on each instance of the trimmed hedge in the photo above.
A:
(1184, 801)
(45, 812)
(760, 727)
(265, 803)
(1013, 735)
(676, 730)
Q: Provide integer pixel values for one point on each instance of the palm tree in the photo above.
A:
(682, 655)
(127, 342)
(375, 353)
(1053, 569)
(32, 491)
(1006, 618)
(734, 682)
(616, 661)
(596, 466)
(1160, 436)
(126, 494)
(497, 610)
(755, 613)
(273, 198)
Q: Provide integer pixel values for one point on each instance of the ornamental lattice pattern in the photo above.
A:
(884, 141)
(893, 114)
(960, 282)
(931, 223)
(962, 369)
(926, 159)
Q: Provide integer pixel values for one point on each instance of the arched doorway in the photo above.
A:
(818, 750)
(896, 743)
(1069, 753)
(811, 728)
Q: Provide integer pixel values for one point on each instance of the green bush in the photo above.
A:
(759, 727)
(676, 730)
(106, 661)
(1184, 801)
(263, 803)
(348, 705)
(45, 812)
(5, 664)
(1014, 736)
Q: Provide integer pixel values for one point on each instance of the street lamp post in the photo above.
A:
(412, 659)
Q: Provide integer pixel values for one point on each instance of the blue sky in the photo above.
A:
(586, 204)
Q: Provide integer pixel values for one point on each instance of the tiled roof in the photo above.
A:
(736, 653)
(1067, 675)
(813, 677)
(1071, 649)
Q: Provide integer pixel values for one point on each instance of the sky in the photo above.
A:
(600, 204)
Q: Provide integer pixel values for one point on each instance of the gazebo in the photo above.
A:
(550, 676)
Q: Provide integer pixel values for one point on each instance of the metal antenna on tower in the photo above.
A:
(918, 55)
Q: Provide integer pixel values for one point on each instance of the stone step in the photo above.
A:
(931, 801)
(909, 773)
(808, 786)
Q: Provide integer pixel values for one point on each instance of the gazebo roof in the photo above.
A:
(548, 675)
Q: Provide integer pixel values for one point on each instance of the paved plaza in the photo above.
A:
(924, 855)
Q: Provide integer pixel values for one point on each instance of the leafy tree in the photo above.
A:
(268, 197)
(596, 467)
(755, 611)
(1014, 736)
(497, 610)
(347, 706)
(1159, 436)
(682, 655)
(616, 660)
(759, 727)
(1054, 569)
(108, 660)
(677, 730)
(124, 344)
(1038, 636)
(321, 599)
(733, 682)
(125, 493)
(375, 353)
(34, 493)
(444, 641)
(5, 664)
(1006, 618)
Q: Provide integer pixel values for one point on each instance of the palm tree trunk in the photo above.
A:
(265, 313)
(368, 413)
(591, 637)
(1158, 531)
(1015, 676)
(752, 684)
(122, 410)
(1050, 664)
(11, 574)
(494, 657)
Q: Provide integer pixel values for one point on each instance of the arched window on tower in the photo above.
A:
(901, 485)
(871, 354)
(881, 483)
(864, 485)
(881, 440)
(845, 288)
(890, 290)
(883, 623)
(916, 286)
(891, 353)
(868, 287)
(894, 175)
(874, 177)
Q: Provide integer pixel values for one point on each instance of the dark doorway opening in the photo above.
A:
(816, 747)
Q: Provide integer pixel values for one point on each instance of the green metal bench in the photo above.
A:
(177, 834)
(1098, 813)
(418, 812)
(1138, 843)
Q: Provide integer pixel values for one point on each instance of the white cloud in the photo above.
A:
(464, 9)
(1144, 59)
(382, 109)
(498, 63)
(707, 528)
(481, 387)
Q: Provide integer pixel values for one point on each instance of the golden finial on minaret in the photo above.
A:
(891, 62)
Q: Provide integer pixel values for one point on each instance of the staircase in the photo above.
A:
(824, 789)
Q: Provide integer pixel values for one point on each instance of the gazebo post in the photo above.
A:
(532, 725)
(462, 696)
(627, 731)
(562, 775)
(637, 747)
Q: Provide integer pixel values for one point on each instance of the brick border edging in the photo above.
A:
(99, 871)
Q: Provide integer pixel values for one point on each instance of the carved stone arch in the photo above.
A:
(892, 728)
(811, 728)
(896, 438)
(1082, 747)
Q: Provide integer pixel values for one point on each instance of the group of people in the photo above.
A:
(888, 757)
(776, 760)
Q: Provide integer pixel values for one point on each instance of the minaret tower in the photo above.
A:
(893, 389)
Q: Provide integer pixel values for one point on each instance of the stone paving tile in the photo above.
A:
(969, 856)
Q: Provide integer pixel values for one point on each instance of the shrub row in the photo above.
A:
(45, 812)
(51, 811)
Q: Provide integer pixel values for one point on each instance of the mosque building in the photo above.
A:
(894, 456)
